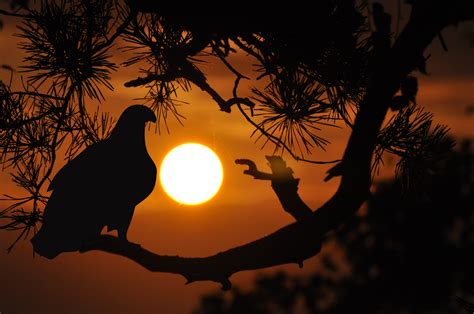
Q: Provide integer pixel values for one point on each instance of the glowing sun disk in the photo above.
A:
(191, 174)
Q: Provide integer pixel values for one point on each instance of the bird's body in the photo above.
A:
(99, 187)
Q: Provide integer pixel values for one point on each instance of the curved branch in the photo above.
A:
(221, 266)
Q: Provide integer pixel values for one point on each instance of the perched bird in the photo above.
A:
(99, 187)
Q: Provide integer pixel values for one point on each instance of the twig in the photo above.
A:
(228, 65)
(4, 12)
(34, 94)
(120, 30)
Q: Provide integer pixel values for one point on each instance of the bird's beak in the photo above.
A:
(151, 117)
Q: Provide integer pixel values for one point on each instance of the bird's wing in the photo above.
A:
(83, 164)
(73, 212)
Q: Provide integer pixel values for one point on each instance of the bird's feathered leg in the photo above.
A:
(121, 222)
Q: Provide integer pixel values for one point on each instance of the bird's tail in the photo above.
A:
(44, 246)
(50, 245)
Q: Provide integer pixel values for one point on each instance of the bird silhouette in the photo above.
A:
(99, 187)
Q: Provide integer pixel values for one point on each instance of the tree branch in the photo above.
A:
(221, 266)
(119, 31)
(190, 73)
(284, 185)
(7, 13)
(253, 171)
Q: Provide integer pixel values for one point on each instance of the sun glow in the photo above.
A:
(191, 174)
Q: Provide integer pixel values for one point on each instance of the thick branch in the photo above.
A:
(221, 266)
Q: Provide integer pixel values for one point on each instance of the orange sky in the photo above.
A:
(243, 210)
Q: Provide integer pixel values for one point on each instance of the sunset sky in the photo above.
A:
(243, 210)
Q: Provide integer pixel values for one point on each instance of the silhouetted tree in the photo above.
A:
(328, 65)
(406, 252)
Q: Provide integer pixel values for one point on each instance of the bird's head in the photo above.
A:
(132, 122)
(137, 114)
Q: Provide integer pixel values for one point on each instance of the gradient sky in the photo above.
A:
(243, 210)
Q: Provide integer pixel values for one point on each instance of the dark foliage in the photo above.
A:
(64, 43)
(315, 72)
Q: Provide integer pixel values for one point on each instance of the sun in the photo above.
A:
(191, 174)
